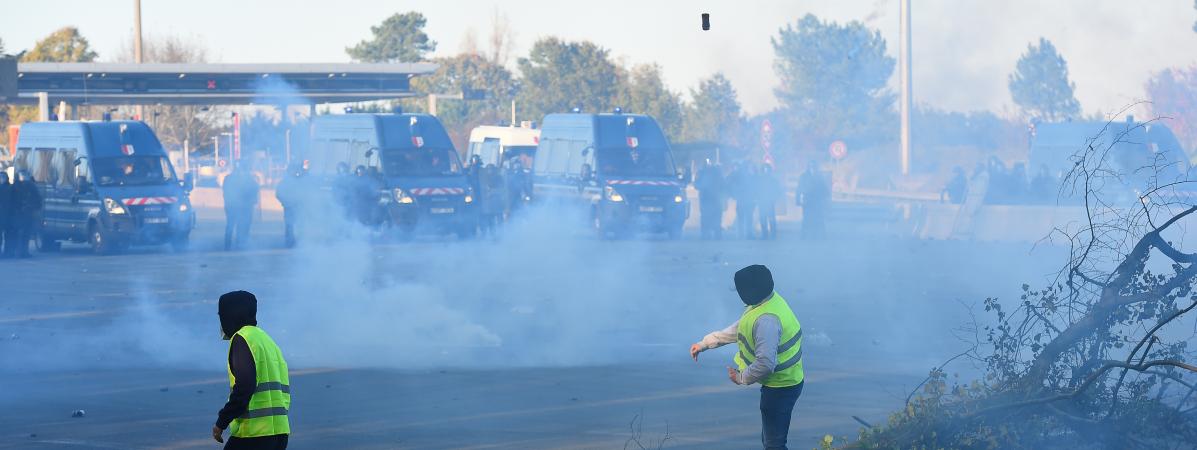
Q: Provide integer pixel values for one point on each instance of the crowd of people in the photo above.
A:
(20, 207)
(498, 191)
(756, 191)
(1002, 185)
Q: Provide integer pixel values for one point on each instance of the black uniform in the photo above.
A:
(28, 202)
(292, 195)
(814, 196)
(769, 191)
(711, 186)
(240, 197)
(7, 210)
(744, 190)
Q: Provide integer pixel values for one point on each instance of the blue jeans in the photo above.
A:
(777, 405)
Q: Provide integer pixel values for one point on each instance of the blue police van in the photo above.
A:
(110, 184)
(618, 167)
(410, 162)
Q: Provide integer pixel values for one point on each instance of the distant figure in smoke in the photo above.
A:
(957, 186)
(769, 191)
(519, 182)
(27, 205)
(744, 191)
(474, 174)
(365, 196)
(814, 196)
(342, 190)
(7, 211)
(1043, 186)
(770, 341)
(291, 193)
(492, 198)
(241, 192)
(260, 398)
(711, 201)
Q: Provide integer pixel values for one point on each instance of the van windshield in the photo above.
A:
(132, 170)
(420, 162)
(626, 161)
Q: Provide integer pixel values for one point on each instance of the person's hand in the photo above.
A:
(695, 349)
(217, 434)
(733, 375)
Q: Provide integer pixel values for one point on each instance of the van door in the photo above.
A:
(76, 183)
(41, 167)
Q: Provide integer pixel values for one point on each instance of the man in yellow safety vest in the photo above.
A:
(770, 351)
(260, 399)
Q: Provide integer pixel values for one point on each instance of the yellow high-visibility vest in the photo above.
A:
(268, 408)
(788, 371)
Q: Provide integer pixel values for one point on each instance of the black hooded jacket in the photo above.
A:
(235, 313)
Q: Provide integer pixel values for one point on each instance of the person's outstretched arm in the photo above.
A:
(715, 339)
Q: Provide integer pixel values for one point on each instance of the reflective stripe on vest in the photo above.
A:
(788, 371)
(271, 401)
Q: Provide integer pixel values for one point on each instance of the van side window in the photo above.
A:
(42, 166)
(576, 158)
(489, 151)
(543, 154)
(82, 173)
(560, 157)
(64, 167)
(21, 159)
(358, 155)
(338, 151)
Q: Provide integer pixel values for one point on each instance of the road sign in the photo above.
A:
(838, 150)
(221, 163)
(236, 136)
(766, 134)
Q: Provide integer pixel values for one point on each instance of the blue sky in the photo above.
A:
(964, 50)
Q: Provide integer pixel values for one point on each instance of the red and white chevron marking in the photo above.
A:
(139, 201)
(437, 191)
(641, 183)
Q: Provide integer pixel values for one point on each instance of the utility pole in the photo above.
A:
(137, 46)
(904, 74)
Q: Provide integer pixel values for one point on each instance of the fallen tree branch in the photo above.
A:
(1092, 378)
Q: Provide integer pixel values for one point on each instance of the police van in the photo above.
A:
(419, 179)
(504, 146)
(110, 184)
(617, 166)
(512, 149)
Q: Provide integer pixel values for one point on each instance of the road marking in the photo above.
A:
(96, 312)
(690, 392)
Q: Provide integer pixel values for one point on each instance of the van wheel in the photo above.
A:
(45, 244)
(100, 242)
(467, 231)
(181, 244)
(675, 232)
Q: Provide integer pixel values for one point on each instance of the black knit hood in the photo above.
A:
(754, 284)
(237, 309)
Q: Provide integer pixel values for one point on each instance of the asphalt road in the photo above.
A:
(542, 339)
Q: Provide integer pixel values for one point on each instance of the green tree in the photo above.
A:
(644, 92)
(456, 74)
(1040, 85)
(400, 38)
(833, 79)
(64, 45)
(713, 114)
(558, 76)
